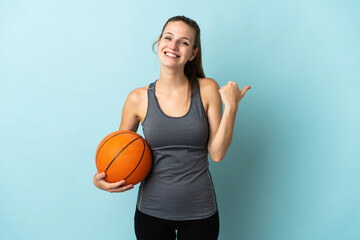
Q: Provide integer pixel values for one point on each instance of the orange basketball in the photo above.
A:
(123, 155)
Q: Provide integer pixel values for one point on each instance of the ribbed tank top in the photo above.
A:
(179, 185)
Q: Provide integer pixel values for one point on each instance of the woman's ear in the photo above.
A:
(195, 51)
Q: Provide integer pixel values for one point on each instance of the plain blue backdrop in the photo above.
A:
(66, 68)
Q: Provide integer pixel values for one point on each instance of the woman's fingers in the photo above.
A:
(121, 188)
(101, 183)
(115, 184)
(230, 94)
(244, 90)
(99, 176)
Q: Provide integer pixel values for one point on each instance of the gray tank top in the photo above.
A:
(179, 185)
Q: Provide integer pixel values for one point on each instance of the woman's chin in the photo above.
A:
(172, 65)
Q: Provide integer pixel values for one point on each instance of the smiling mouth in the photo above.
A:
(171, 55)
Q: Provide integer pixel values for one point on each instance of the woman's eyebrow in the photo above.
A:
(181, 37)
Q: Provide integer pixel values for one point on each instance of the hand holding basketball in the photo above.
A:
(231, 95)
(100, 183)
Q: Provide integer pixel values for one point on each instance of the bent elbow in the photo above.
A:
(217, 158)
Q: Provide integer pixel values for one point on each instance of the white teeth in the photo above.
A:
(170, 54)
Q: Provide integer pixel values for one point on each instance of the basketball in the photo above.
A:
(123, 155)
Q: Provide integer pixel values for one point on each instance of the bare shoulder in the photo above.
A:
(208, 84)
(209, 91)
(138, 95)
(136, 103)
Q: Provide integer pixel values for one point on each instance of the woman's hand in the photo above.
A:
(102, 184)
(231, 95)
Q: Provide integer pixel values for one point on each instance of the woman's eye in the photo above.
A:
(185, 43)
(167, 38)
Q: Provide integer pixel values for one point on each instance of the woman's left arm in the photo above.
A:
(221, 127)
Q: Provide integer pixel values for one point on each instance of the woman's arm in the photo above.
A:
(129, 121)
(221, 127)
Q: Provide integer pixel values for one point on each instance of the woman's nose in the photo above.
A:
(174, 45)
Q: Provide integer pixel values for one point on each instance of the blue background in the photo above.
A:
(293, 169)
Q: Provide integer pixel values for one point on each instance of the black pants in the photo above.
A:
(152, 228)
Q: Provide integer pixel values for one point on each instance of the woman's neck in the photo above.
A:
(171, 79)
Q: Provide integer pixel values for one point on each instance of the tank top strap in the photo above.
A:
(152, 102)
(151, 90)
(197, 101)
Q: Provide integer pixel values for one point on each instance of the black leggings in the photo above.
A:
(152, 228)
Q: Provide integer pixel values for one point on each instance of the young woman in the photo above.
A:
(182, 120)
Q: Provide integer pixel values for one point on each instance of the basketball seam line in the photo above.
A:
(139, 160)
(111, 138)
(120, 153)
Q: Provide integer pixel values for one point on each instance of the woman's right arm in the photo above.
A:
(130, 118)
(102, 184)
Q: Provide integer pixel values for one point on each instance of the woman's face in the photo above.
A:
(175, 47)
